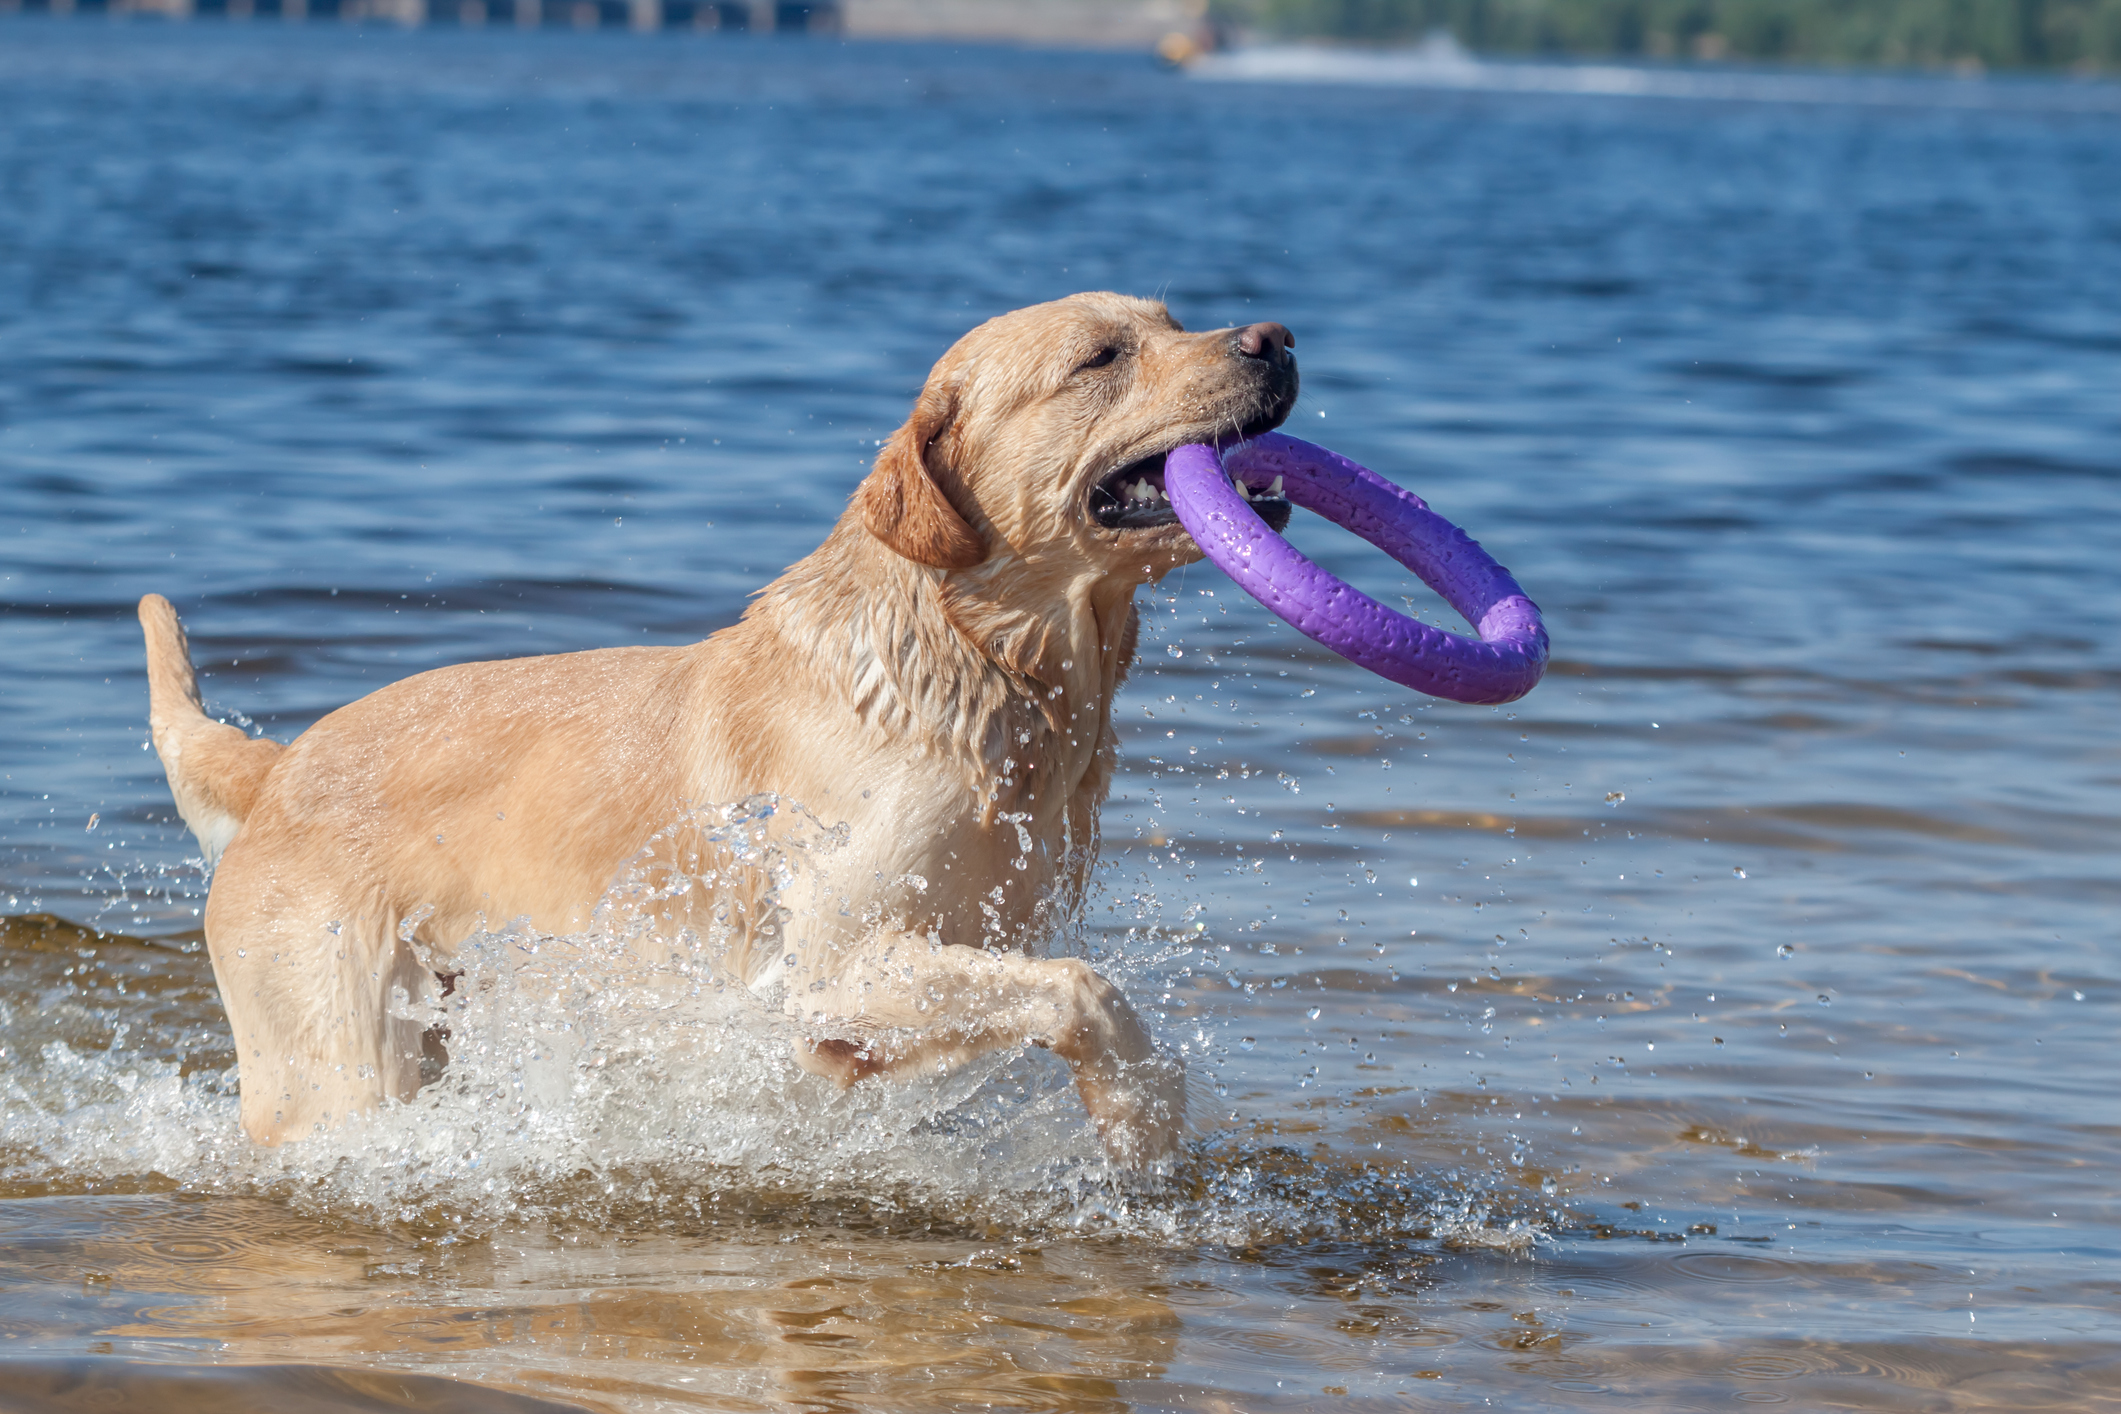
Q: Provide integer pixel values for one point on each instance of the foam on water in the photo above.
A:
(1440, 63)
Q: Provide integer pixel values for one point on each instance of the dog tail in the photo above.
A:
(215, 770)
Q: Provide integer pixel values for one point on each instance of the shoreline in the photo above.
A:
(1181, 33)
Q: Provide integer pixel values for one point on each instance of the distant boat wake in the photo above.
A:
(1441, 63)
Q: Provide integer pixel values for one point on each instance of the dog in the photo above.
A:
(936, 679)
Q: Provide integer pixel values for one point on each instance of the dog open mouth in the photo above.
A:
(1132, 498)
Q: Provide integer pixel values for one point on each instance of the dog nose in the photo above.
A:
(1271, 342)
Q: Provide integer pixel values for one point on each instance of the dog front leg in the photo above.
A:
(920, 1007)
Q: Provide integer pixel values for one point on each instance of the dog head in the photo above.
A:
(1041, 435)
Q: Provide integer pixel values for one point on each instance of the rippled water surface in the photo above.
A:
(1732, 1020)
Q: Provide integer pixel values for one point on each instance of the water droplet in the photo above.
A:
(1614, 797)
(1247, 1044)
(1739, 872)
(1312, 1013)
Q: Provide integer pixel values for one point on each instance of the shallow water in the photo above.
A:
(1726, 1022)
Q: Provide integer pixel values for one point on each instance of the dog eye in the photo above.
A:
(1099, 359)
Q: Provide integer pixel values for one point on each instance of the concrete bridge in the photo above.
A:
(1116, 24)
(765, 16)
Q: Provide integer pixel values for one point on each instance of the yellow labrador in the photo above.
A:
(938, 677)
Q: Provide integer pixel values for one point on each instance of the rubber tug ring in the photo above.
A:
(1503, 664)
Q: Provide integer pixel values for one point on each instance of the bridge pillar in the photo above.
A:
(796, 17)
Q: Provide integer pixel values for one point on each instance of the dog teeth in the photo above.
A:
(1275, 489)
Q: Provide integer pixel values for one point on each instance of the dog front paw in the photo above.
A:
(1139, 1108)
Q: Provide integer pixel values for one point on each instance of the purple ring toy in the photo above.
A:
(1502, 665)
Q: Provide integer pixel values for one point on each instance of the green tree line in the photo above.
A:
(2004, 34)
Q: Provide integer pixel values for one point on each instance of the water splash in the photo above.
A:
(592, 1079)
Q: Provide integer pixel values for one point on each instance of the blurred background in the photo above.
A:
(2083, 36)
(1725, 1022)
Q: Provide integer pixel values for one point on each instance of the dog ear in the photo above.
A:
(901, 502)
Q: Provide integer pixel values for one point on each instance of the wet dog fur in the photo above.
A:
(938, 675)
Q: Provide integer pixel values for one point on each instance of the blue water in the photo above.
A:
(1784, 908)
